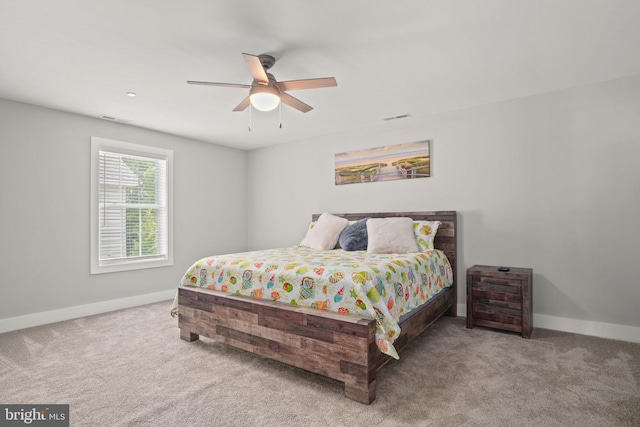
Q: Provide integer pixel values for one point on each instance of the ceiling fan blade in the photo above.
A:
(256, 68)
(307, 83)
(244, 104)
(294, 102)
(191, 82)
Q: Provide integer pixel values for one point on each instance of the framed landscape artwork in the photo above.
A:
(402, 161)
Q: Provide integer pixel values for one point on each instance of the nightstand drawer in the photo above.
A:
(496, 289)
(496, 282)
(496, 312)
(514, 305)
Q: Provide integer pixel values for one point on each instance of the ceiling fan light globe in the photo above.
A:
(264, 98)
(264, 101)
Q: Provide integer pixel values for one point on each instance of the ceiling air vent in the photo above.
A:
(401, 116)
(113, 119)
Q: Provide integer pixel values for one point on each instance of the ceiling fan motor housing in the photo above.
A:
(267, 61)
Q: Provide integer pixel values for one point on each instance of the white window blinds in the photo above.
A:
(132, 205)
(133, 219)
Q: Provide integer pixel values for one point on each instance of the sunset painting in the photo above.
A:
(402, 161)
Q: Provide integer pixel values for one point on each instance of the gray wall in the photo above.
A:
(549, 182)
(44, 208)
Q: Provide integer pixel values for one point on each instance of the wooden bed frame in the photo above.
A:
(339, 346)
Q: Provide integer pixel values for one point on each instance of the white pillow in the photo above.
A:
(324, 234)
(391, 236)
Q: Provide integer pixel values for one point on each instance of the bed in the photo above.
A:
(345, 347)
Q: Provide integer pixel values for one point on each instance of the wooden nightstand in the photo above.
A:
(500, 299)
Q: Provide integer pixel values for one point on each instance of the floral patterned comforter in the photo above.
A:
(376, 286)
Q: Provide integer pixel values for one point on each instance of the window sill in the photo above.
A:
(114, 267)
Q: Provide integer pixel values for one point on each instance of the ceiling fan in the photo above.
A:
(265, 93)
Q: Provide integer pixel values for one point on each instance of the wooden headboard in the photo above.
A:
(445, 238)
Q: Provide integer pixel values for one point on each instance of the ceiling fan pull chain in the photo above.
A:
(250, 117)
(281, 115)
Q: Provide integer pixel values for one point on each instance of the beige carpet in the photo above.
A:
(130, 368)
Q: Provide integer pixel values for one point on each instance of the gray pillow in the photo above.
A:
(354, 237)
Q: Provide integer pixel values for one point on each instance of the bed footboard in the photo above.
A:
(334, 345)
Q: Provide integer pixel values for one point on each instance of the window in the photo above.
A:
(131, 211)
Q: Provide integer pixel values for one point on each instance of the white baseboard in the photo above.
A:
(36, 319)
(583, 327)
(588, 327)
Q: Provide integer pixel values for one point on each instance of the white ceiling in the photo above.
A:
(389, 57)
